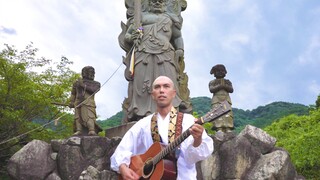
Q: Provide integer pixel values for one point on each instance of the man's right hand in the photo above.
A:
(127, 173)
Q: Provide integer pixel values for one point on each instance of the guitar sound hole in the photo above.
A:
(148, 169)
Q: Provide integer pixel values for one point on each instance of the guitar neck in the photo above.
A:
(175, 143)
(171, 146)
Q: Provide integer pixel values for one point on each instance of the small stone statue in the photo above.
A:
(82, 99)
(221, 87)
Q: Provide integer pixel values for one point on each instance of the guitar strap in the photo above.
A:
(174, 131)
(178, 132)
(179, 124)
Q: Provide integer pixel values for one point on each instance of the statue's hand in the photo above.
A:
(228, 82)
(137, 42)
(127, 74)
(136, 36)
(179, 54)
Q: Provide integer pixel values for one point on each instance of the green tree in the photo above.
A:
(299, 135)
(318, 102)
(28, 86)
(113, 121)
(201, 105)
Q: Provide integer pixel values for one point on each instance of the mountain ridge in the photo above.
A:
(260, 117)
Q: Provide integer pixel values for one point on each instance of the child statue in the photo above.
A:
(221, 87)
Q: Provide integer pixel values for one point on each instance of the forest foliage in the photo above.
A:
(300, 136)
(113, 121)
(28, 86)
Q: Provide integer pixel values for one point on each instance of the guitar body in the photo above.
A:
(170, 170)
(143, 166)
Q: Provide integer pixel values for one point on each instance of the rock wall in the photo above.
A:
(86, 157)
(250, 155)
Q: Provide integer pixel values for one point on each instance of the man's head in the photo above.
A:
(163, 91)
(88, 73)
(157, 6)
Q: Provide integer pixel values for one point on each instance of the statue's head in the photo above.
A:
(88, 73)
(219, 71)
(157, 6)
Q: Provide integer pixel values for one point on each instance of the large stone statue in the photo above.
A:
(82, 99)
(221, 87)
(154, 45)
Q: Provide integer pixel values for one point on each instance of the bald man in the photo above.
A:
(158, 127)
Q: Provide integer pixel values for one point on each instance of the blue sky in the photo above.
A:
(271, 49)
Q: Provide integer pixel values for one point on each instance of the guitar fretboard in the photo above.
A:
(171, 146)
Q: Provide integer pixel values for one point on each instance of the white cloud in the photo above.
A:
(246, 95)
(255, 69)
(240, 34)
(235, 42)
(84, 33)
(314, 87)
(311, 54)
(228, 6)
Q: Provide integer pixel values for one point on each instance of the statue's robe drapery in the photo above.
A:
(154, 57)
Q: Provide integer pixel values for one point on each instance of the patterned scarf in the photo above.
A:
(172, 127)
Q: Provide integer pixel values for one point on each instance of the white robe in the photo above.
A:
(138, 140)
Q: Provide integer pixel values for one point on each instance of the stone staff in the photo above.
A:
(138, 28)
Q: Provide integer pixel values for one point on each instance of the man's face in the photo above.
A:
(163, 92)
(157, 6)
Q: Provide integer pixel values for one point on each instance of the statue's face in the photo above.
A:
(157, 6)
(220, 73)
(91, 74)
(88, 73)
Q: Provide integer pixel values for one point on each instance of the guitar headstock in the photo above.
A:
(221, 109)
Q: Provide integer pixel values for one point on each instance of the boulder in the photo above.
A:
(275, 165)
(53, 176)
(78, 153)
(259, 139)
(33, 161)
(250, 155)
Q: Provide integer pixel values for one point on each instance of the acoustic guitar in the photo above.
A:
(152, 165)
